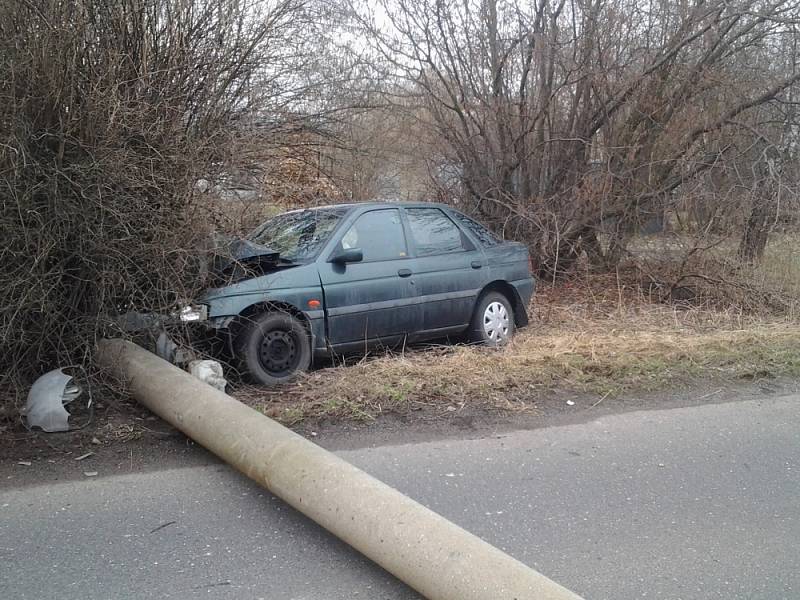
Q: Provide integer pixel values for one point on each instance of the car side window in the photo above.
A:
(485, 237)
(434, 233)
(379, 235)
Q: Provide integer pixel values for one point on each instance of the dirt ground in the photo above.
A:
(592, 348)
(133, 440)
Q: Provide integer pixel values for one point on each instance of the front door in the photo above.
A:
(371, 301)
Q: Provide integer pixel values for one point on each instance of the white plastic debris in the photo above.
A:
(570, 403)
(210, 372)
(46, 401)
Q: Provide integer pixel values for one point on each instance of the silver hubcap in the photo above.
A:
(495, 322)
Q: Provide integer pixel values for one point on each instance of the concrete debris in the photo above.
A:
(210, 372)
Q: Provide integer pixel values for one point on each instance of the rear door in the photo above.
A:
(449, 270)
(373, 300)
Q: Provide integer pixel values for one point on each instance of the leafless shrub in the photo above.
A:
(569, 124)
(110, 113)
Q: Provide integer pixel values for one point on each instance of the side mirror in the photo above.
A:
(349, 255)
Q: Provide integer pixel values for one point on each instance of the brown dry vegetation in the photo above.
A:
(112, 115)
(570, 127)
(596, 335)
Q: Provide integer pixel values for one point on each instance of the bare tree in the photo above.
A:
(563, 117)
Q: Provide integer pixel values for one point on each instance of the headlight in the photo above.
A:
(193, 312)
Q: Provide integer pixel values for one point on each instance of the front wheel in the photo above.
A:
(274, 348)
(493, 321)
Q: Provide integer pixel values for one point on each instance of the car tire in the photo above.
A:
(273, 348)
(493, 320)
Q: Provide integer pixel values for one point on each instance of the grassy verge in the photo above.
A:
(615, 342)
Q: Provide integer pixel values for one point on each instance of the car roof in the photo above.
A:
(376, 204)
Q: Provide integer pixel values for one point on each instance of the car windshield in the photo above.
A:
(298, 236)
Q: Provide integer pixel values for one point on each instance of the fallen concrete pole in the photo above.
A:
(432, 555)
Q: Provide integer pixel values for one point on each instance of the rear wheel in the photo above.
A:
(493, 321)
(273, 348)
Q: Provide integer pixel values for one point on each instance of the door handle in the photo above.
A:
(476, 264)
(404, 272)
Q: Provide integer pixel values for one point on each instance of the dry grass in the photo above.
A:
(706, 270)
(780, 267)
(603, 339)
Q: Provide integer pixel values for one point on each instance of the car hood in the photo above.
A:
(287, 285)
(237, 250)
(242, 249)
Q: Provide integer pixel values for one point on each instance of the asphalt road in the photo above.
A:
(689, 503)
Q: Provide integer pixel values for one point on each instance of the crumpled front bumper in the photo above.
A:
(174, 339)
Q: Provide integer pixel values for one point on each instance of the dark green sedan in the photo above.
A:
(344, 278)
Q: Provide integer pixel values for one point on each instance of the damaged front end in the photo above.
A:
(244, 259)
(193, 328)
(241, 260)
(273, 268)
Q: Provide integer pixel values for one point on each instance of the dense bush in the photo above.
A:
(110, 111)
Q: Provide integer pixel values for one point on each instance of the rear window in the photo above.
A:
(485, 237)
